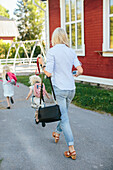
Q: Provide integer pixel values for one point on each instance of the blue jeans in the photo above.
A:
(64, 98)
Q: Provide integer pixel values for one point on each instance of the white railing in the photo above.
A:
(17, 61)
(95, 80)
(20, 64)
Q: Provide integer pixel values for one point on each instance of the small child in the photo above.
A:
(33, 80)
(7, 86)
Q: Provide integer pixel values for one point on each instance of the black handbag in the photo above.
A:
(51, 113)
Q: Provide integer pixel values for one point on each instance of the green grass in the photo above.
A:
(23, 79)
(94, 98)
(87, 96)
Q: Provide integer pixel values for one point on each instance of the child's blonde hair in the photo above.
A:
(59, 36)
(33, 79)
(6, 69)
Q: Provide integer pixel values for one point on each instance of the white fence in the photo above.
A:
(17, 61)
(20, 65)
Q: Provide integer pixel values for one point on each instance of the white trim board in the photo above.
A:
(98, 80)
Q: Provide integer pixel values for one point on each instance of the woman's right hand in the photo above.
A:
(79, 71)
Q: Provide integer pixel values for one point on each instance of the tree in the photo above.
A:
(30, 19)
(4, 12)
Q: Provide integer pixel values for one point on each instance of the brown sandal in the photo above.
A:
(56, 137)
(69, 154)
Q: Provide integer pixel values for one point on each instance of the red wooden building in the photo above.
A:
(89, 24)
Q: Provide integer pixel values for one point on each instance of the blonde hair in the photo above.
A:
(6, 69)
(33, 79)
(59, 36)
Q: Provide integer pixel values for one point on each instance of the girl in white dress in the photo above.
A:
(8, 88)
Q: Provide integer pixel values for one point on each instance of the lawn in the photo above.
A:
(94, 98)
(87, 96)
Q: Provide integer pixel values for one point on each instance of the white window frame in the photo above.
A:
(47, 17)
(107, 52)
(79, 52)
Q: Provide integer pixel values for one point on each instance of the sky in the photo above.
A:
(10, 5)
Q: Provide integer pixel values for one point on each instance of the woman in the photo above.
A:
(60, 60)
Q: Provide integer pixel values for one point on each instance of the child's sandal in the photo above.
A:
(37, 122)
(56, 137)
(69, 154)
(8, 107)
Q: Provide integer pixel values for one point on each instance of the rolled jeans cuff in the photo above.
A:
(58, 132)
(70, 143)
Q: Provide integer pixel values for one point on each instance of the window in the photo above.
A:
(108, 28)
(72, 21)
(111, 24)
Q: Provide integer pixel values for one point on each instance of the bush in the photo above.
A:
(4, 47)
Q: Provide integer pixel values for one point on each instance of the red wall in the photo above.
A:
(54, 16)
(7, 38)
(93, 64)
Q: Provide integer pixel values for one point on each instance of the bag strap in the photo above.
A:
(41, 91)
(52, 88)
(38, 66)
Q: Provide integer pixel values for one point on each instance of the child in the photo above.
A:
(33, 80)
(7, 86)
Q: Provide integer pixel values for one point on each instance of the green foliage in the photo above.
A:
(29, 48)
(4, 12)
(4, 47)
(30, 19)
(30, 25)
